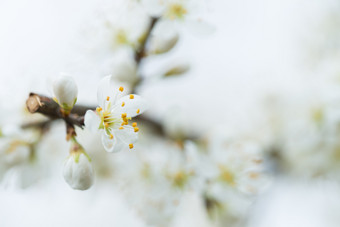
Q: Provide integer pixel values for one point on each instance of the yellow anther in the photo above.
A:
(106, 125)
(107, 98)
(130, 145)
(123, 104)
(138, 111)
(121, 89)
(124, 115)
(99, 109)
(134, 124)
(125, 119)
(132, 96)
(121, 127)
(136, 129)
(111, 136)
(124, 123)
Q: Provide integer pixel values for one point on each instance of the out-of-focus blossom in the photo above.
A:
(14, 151)
(122, 66)
(179, 13)
(163, 39)
(113, 115)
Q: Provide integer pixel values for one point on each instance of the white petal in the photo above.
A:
(108, 143)
(104, 90)
(119, 146)
(92, 121)
(127, 135)
(131, 106)
(107, 88)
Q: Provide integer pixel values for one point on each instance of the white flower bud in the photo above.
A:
(65, 91)
(178, 70)
(163, 41)
(78, 171)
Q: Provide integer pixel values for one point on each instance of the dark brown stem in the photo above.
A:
(46, 106)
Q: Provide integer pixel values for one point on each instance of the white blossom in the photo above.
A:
(113, 115)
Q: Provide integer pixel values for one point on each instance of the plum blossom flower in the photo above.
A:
(113, 115)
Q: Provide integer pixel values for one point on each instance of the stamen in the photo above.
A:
(106, 125)
(134, 124)
(125, 119)
(111, 136)
(136, 129)
(99, 109)
(132, 96)
(138, 111)
(121, 89)
(123, 104)
(130, 145)
(121, 127)
(124, 115)
(107, 98)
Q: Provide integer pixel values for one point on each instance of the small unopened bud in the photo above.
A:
(177, 70)
(162, 43)
(78, 171)
(65, 92)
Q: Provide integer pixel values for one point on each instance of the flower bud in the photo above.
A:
(177, 70)
(65, 92)
(162, 43)
(78, 171)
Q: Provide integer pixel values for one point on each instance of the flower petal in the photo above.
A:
(131, 106)
(127, 135)
(92, 121)
(108, 143)
(105, 88)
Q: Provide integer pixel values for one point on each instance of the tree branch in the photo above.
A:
(41, 104)
(140, 53)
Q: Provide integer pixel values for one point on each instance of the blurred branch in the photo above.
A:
(140, 52)
(40, 124)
